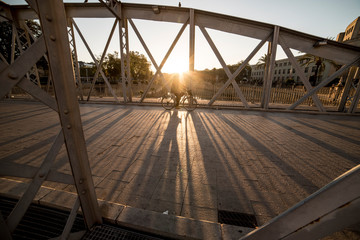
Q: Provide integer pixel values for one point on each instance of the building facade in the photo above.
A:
(285, 74)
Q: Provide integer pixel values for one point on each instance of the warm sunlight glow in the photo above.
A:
(176, 67)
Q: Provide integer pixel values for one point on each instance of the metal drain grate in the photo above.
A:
(42, 222)
(108, 232)
(39, 222)
(238, 219)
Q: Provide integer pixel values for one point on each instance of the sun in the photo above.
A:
(179, 67)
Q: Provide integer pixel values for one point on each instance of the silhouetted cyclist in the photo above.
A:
(177, 89)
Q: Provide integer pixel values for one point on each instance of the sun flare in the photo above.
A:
(179, 67)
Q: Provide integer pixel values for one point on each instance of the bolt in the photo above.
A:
(41, 175)
(12, 75)
(48, 18)
(68, 126)
(81, 181)
(83, 191)
(52, 37)
(66, 111)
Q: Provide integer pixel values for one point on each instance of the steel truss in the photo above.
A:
(300, 222)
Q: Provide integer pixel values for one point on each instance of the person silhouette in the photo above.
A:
(177, 89)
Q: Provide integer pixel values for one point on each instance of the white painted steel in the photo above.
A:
(337, 199)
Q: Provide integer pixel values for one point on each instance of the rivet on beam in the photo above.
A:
(48, 18)
(66, 111)
(68, 126)
(81, 181)
(52, 37)
(12, 75)
(83, 192)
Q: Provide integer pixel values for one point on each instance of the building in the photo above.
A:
(351, 34)
(284, 73)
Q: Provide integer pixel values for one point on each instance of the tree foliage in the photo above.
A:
(139, 67)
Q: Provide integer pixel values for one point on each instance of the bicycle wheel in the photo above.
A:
(189, 103)
(168, 102)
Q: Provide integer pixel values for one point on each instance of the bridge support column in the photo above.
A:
(53, 23)
(75, 59)
(346, 91)
(269, 69)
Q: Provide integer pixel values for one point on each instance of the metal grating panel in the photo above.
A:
(42, 222)
(238, 219)
(107, 232)
(39, 222)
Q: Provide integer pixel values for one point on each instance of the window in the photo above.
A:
(275, 72)
(293, 71)
(306, 69)
(280, 64)
(313, 69)
(298, 78)
(288, 71)
(284, 71)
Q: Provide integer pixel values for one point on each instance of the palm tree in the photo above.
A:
(319, 62)
(263, 60)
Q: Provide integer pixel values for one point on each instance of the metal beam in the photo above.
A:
(101, 62)
(330, 209)
(23, 204)
(75, 59)
(146, 48)
(325, 82)
(300, 73)
(70, 221)
(12, 74)
(192, 41)
(223, 64)
(26, 171)
(356, 97)
(53, 23)
(240, 68)
(270, 68)
(95, 60)
(346, 90)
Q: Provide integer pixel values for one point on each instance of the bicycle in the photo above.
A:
(188, 101)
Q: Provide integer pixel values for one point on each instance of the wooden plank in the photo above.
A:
(53, 22)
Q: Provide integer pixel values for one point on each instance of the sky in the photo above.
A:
(324, 18)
